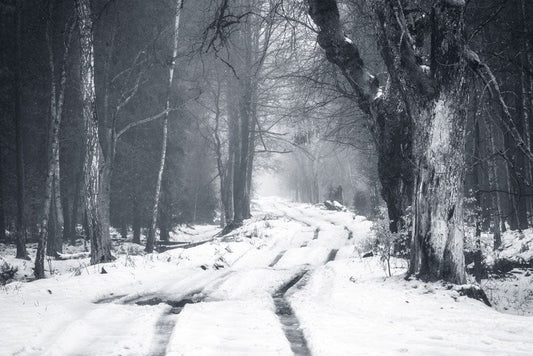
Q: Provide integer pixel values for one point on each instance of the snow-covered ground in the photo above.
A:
(291, 280)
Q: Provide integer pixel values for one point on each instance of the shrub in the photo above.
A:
(387, 244)
(7, 273)
(383, 245)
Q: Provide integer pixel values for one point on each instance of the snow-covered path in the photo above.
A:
(289, 282)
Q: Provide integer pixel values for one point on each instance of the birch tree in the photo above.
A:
(98, 230)
(52, 197)
(151, 235)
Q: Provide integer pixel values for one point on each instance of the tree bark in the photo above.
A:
(98, 230)
(151, 235)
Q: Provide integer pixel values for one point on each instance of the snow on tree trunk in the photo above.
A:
(151, 235)
(97, 228)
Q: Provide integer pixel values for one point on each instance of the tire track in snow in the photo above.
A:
(289, 322)
(167, 321)
(332, 255)
(278, 257)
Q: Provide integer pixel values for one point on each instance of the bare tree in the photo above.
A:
(151, 235)
(417, 122)
(52, 197)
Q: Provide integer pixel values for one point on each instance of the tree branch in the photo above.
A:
(143, 121)
(506, 119)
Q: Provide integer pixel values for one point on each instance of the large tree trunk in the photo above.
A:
(437, 246)
(98, 230)
(428, 104)
(151, 235)
(17, 86)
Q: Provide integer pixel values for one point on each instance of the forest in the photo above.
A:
(142, 144)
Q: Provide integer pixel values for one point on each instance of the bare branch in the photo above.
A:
(506, 119)
(144, 121)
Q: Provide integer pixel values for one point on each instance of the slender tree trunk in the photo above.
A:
(250, 166)
(67, 211)
(223, 171)
(57, 96)
(164, 225)
(57, 198)
(17, 85)
(235, 127)
(511, 184)
(42, 247)
(97, 228)
(477, 193)
(233, 151)
(494, 186)
(123, 228)
(151, 235)
(75, 207)
(53, 236)
(245, 115)
(136, 223)
(520, 180)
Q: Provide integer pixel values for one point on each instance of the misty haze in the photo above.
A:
(266, 177)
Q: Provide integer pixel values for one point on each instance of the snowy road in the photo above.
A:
(289, 282)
